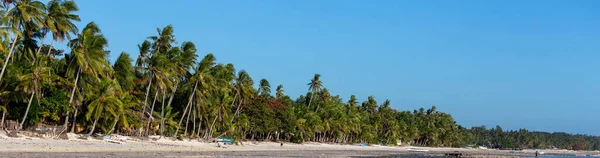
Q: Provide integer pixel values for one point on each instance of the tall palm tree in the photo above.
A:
(59, 20)
(157, 65)
(183, 60)
(314, 86)
(24, 12)
(243, 85)
(89, 57)
(32, 82)
(202, 79)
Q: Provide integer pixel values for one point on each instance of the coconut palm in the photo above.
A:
(264, 89)
(243, 87)
(25, 12)
(280, 92)
(157, 64)
(124, 71)
(183, 59)
(59, 21)
(31, 82)
(88, 57)
(106, 102)
(202, 79)
(314, 86)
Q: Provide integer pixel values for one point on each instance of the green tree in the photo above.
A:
(24, 12)
(314, 86)
(88, 57)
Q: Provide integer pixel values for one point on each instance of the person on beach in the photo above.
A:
(281, 142)
(536, 153)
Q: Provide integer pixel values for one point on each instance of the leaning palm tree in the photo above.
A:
(24, 12)
(201, 78)
(59, 21)
(243, 86)
(183, 60)
(279, 92)
(156, 65)
(264, 88)
(32, 82)
(89, 57)
(314, 86)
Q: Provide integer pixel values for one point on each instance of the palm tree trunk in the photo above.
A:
(114, 124)
(187, 121)
(193, 125)
(237, 110)
(50, 47)
(10, 52)
(71, 98)
(311, 98)
(198, 129)
(93, 126)
(162, 114)
(146, 100)
(74, 120)
(317, 108)
(3, 115)
(211, 127)
(27, 110)
(150, 117)
(39, 48)
(186, 108)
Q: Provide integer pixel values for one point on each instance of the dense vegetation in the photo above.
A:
(167, 90)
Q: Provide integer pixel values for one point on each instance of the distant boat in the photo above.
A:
(417, 150)
(225, 140)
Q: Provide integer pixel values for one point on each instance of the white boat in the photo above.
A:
(417, 150)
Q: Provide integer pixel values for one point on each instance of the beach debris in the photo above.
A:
(455, 154)
(115, 139)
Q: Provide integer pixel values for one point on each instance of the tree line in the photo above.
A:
(168, 90)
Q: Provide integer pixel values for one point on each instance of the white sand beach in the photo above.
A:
(92, 147)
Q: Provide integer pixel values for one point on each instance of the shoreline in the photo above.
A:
(91, 147)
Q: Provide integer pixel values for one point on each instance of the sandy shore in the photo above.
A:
(24, 146)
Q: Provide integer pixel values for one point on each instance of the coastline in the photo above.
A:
(91, 147)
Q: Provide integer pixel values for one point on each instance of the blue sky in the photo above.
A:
(517, 64)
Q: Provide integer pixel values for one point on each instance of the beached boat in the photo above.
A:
(225, 140)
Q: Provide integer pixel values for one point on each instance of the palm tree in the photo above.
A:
(124, 71)
(280, 92)
(243, 85)
(201, 78)
(25, 11)
(264, 89)
(59, 20)
(89, 57)
(183, 59)
(32, 82)
(158, 66)
(105, 102)
(314, 86)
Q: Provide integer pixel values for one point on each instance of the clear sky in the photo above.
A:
(518, 64)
